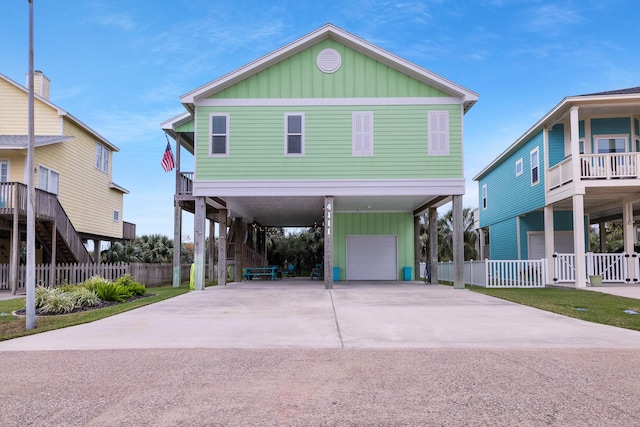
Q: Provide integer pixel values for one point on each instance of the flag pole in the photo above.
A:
(31, 224)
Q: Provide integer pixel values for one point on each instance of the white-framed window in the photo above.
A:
(519, 167)
(4, 170)
(484, 196)
(362, 133)
(581, 146)
(102, 157)
(116, 216)
(637, 145)
(294, 134)
(535, 166)
(219, 139)
(438, 133)
(48, 179)
(611, 144)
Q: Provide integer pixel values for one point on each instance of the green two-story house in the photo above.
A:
(328, 131)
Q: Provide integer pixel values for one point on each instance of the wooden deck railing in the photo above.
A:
(13, 196)
(185, 183)
(147, 274)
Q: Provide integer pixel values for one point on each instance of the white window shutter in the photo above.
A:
(362, 133)
(438, 122)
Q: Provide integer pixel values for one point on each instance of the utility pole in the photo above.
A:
(31, 222)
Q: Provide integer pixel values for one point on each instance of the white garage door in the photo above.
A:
(563, 243)
(372, 258)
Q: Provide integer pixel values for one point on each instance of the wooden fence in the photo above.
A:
(147, 274)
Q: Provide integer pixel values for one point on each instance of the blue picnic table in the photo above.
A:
(269, 272)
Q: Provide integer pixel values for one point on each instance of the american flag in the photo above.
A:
(167, 160)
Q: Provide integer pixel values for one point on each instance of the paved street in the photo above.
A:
(293, 353)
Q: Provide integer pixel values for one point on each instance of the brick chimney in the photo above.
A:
(41, 84)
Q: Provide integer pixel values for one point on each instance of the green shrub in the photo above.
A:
(109, 291)
(83, 297)
(42, 294)
(93, 282)
(58, 302)
(136, 288)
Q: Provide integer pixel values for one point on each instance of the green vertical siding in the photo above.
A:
(399, 224)
(256, 144)
(359, 76)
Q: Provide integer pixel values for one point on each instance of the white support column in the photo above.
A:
(549, 244)
(578, 241)
(222, 247)
(458, 244)
(433, 244)
(575, 146)
(628, 236)
(328, 242)
(198, 243)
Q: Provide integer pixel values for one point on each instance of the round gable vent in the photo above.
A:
(329, 60)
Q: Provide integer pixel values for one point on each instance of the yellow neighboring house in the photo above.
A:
(77, 200)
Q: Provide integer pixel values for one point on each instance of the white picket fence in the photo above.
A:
(147, 274)
(499, 273)
(612, 267)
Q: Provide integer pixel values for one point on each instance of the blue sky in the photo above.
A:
(120, 65)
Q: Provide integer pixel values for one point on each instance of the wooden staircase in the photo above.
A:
(49, 213)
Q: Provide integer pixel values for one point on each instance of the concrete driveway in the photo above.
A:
(302, 314)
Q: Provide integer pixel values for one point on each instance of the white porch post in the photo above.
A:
(578, 202)
(458, 244)
(198, 243)
(628, 235)
(549, 243)
(578, 241)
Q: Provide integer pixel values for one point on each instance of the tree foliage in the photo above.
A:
(445, 236)
(152, 249)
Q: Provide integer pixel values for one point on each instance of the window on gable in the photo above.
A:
(535, 166)
(4, 170)
(102, 157)
(294, 134)
(219, 143)
(438, 124)
(519, 167)
(362, 133)
(48, 180)
(484, 196)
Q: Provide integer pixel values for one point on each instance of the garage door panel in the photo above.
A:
(372, 257)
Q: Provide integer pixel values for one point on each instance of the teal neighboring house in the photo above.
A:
(579, 164)
(328, 131)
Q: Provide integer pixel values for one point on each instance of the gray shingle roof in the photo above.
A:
(627, 91)
(22, 141)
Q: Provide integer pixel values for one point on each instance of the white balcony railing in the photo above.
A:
(596, 166)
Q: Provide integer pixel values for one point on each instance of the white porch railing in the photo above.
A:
(612, 267)
(596, 166)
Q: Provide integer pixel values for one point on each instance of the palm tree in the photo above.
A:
(445, 236)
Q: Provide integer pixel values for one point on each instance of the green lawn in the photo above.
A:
(13, 327)
(591, 306)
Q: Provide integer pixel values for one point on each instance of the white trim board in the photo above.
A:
(355, 187)
(277, 102)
